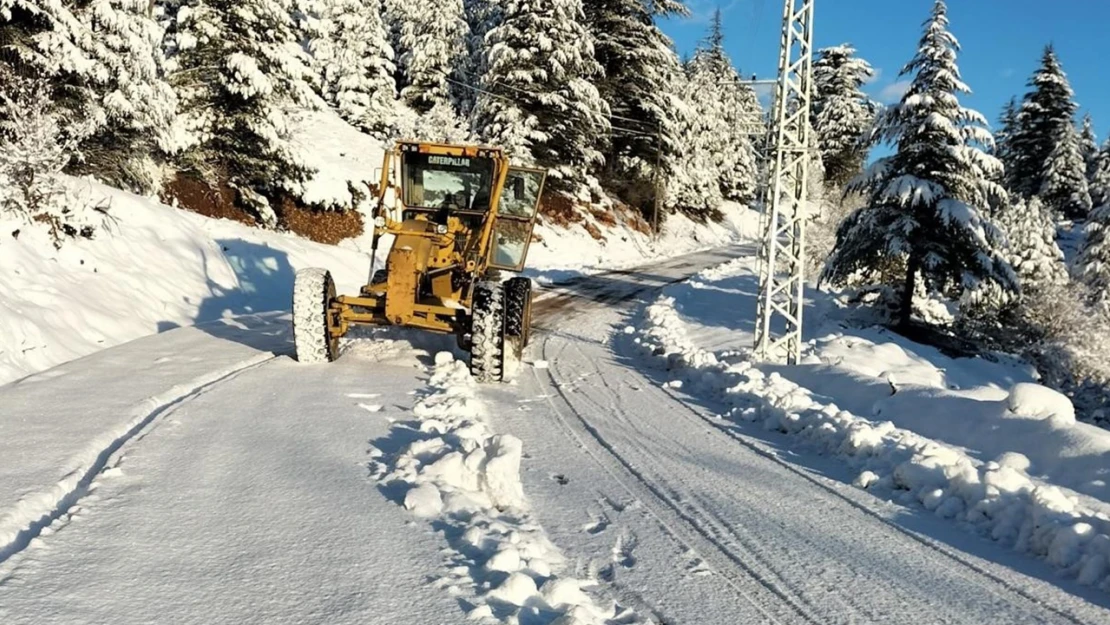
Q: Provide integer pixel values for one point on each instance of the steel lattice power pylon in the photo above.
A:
(782, 253)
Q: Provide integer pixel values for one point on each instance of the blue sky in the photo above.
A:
(1001, 42)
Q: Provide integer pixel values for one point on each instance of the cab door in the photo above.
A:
(516, 217)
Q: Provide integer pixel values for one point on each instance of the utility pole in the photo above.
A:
(782, 251)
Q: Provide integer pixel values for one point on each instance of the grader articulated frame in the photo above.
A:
(458, 215)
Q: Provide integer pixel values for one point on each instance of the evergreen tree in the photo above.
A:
(1032, 250)
(1004, 136)
(1092, 266)
(352, 56)
(732, 114)
(481, 17)
(541, 102)
(694, 188)
(394, 14)
(433, 42)
(841, 114)
(1047, 111)
(1100, 177)
(924, 213)
(103, 60)
(639, 65)
(1088, 146)
(1064, 187)
(236, 65)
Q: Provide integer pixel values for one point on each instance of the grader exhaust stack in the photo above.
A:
(458, 215)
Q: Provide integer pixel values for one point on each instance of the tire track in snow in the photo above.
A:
(709, 541)
(728, 536)
(973, 569)
(35, 513)
(624, 445)
(671, 516)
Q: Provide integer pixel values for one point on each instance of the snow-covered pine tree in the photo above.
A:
(694, 187)
(1046, 109)
(924, 217)
(541, 101)
(841, 114)
(732, 111)
(1003, 137)
(442, 124)
(393, 14)
(352, 56)
(481, 17)
(1100, 177)
(1064, 188)
(433, 46)
(1092, 266)
(1088, 146)
(1032, 250)
(237, 65)
(137, 105)
(639, 65)
(104, 60)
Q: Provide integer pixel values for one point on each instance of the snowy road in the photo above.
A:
(687, 520)
(199, 476)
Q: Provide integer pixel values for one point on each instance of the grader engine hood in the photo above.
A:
(418, 248)
(414, 237)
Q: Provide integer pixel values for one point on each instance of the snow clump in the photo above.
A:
(465, 479)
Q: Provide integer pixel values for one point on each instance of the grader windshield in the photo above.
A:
(457, 183)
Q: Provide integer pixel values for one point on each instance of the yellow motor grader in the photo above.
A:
(458, 215)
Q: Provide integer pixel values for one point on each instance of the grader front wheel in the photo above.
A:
(313, 293)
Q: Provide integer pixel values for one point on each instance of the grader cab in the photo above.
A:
(456, 217)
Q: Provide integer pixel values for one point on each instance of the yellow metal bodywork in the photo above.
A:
(420, 290)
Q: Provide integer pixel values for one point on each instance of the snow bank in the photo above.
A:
(152, 269)
(877, 374)
(997, 498)
(465, 480)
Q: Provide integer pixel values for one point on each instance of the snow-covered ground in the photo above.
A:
(640, 469)
(200, 475)
(970, 440)
(154, 268)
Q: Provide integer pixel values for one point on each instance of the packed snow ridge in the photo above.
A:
(465, 481)
(997, 498)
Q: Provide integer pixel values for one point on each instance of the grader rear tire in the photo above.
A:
(518, 309)
(518, 319)
(487, 335)
(313, 292)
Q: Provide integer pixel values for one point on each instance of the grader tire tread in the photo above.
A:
(518, 302)
(313, 292)
(488, 333)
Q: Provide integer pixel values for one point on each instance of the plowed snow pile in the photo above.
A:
(957, 437)
(465, 481)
